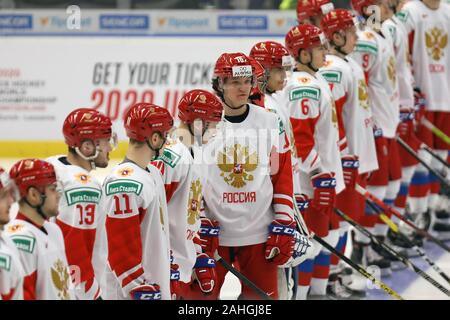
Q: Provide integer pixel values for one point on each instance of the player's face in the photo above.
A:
(6, 200)
(53, 194)
(104, 148)
(277, 79)
(318, 56)
(158, 139)
(236, 91)
(351, 38)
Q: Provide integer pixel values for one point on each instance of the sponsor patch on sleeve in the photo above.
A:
(5, 261)
(24, 243)
(332, 76)
(170, 157)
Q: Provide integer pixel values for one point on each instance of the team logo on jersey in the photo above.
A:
(60, 278)
(369, 35)
(334, 118)
(436, 41)
(236, 163)
(82, 178)
(125, 172)
(195, 198)
(5, 262)
(391, 69)
(15, 228)
(161, 215)
(303, 80)
(363, 94)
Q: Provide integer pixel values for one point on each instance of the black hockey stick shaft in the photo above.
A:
(243, 278)
(394, 253)
(415, 155)
(434, 154)
(370, 198)
(358, 268)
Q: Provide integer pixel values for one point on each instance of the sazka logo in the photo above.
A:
(436, 41)
(236, 163)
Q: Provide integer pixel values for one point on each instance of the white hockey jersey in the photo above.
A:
(132, 242)
(43, 257)
(315, 126)
(184, 189)
(78, 218)
(375, 53)
(428, 32)
(403, 65)
(347, 83)
(248, 178)
(11, 271)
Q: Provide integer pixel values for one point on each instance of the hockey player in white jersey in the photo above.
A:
(427, 23)
(346, 80)
(199, 111)
(87, 134)
(11, 270)
(40, 243)
(375, 53)
(315, 130)
(248, 189)
(133, 235)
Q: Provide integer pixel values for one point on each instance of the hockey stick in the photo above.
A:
(243, 278)
(427, 124)
(394, 253)
(420, 251)
(368, 196)
(414, 154)
(434, 154)
(358, 268)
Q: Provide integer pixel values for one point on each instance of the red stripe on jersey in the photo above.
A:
(303, 130)
(170, 189)
(139, 272)
(79, 247)
(411, 42)
(340, 119)
(124, 243)
(282, 178)
(29, 286)
(8, 296)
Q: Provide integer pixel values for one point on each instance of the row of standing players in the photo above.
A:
(224, 183)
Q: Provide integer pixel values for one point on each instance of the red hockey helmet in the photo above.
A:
(32, 173)
(359, 5)
(311, 8)
(233, 65)
(337, 20)
(143, 119)
(83, 124)
(271, 54)
(304, 36)
(200, 104)
(257, 92)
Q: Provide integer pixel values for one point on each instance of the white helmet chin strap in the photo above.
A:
(90, 158)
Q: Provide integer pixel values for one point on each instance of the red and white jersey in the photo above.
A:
(314, 123)
(347, 83)
(248, 177)
(184, 189)
(132, 243)
(11, 271)
(43, 257)
(403, 65)
(78, 218)
(375, 53)
(428, 32)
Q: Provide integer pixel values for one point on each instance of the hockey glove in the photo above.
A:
(146, 292)
(175, 288)
(205, 272)
(302, 201)
(350, 165)
(420, 104)
(281, 241)
(209, 235)
(324, 185)
(302, 250)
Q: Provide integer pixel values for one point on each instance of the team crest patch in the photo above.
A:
(391, 70)
(125, 172)
(5, 261)
(83, 178)
(123, 186)
(170, 157)
(15, 228)
(304, 80)
(304, 92)
(24, 243)
(436, 41)
(195, 198)
(402, 15)
(369, 35)
(83, 195)
(236, 163)
(60, 279)
(332, 76)
(363, 94)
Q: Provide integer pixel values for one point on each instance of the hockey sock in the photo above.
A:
(400, 200)
(305, 270)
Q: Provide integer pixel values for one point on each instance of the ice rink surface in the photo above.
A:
(405, 281)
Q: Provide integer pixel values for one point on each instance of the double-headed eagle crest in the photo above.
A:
(236, 163)
(195, 198)
(436, 40)
(60, 279)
